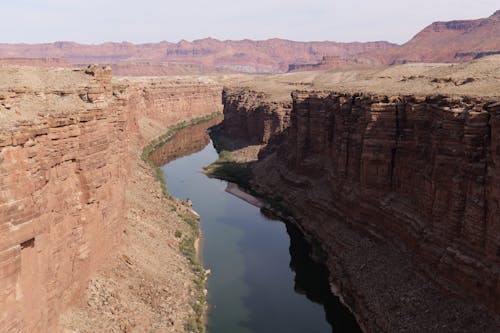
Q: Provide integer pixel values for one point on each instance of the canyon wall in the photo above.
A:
(249, 118)
(207, 55)
(421, 170)
(153, 104)
(332, 62)
(62, 181)
(399, 191)
(67, 140)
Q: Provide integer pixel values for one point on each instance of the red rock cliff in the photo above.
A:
(423, 170)
(267, 56)
(62, 177)
(64, 160)
(153, 104)
(399, 191)
(249, 118)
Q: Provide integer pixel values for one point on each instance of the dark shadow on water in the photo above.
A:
(311, 279)
(262, 248)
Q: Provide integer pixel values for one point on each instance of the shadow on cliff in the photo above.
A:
(222, 141)
(311, 277)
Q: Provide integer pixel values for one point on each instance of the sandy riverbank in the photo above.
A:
(149, 285)
(235, 190)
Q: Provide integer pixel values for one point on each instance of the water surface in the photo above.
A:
(252, 287)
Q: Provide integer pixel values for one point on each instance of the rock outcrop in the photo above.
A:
(268, 56)
(62, 178)
(401, 192)
(155, 103)
(250, 119)
(67, 140)
(452, 41)
(331, 62)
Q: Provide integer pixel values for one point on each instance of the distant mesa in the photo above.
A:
(266, 56)
(453, 41)
(449, 42)
(39, 62)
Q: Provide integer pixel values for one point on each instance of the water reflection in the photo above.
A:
(260, 270)
(186, 141)
(311, 280)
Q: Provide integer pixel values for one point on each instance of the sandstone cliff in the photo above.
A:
(250, 119)
(63, 165)
(268, 56)
(399, 190)
(149, 285)
(332, 62)
(153, 104)
(71, 199)
(452, 41)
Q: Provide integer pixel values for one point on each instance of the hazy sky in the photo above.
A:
(96, 21)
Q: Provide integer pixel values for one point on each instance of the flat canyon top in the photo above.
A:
(480, 78)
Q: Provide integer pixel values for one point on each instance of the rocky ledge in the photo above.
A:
(77, 203)
(400, 191)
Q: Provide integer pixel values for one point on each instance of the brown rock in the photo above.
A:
(400, 191)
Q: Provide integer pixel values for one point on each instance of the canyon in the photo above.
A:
(391, 171)
(205, 55)
(73, 200)
(398, 187)
(449, 42)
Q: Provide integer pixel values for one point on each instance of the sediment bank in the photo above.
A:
(77, 203)
(172, 289)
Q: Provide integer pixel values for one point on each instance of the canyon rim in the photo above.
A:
(385, 158)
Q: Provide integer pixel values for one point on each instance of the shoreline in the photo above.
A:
(119, 295)
(234, 189)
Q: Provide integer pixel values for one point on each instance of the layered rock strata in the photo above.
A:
(401, 193)
(69, 141)
(155, 103)
(62, 178)
(149, 285)
(247, 56)
(250, 118)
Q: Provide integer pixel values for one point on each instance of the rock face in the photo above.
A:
(64, 161)
(208, 54)
(399, 191)
(250, 119)
(331, 62)
(421, 169)
(61, 202)
(155, 103)
(186, 141)
(267, 56)
(40, 62)
(453, 41)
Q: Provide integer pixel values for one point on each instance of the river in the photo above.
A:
(262, 279)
